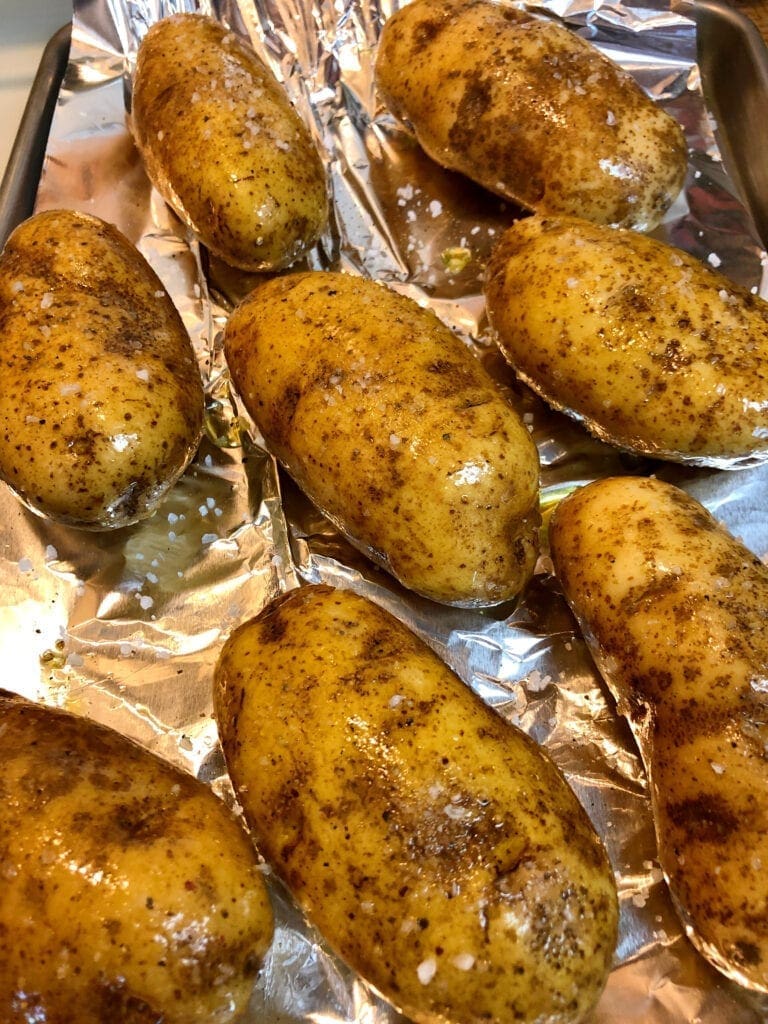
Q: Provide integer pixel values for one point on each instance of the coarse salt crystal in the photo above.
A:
(142, 374)
(203, 510)
(714, 260)
(209, 538)
(396, 700)
(394, 440)
(47, 300)
(426, 970)
(435, 208)
(718, 769)
(51, 553)
(25, 565)
(455, 813)
(146, 601)
(69, 389)
(610, 118)
(17, 286)
(464, 961)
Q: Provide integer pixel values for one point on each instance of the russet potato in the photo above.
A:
(530, 110)
(129, 893)
(674, 609)
(101, 407)
(652, 350)
(223, 145)
(436, 847)
(392, 427)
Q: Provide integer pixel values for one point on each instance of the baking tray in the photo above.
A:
(725, 38)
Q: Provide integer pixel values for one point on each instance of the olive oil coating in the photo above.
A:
(394, 429)
(101, 408)
(223, 145)
(652, 350)
(674, 609)
(129, 892)
(436, 847)
(531, 111)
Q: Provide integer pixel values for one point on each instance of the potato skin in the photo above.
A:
(436, 847)
(674, 610)
(223, 145)
(531, 111)
(101, 408)
(129, 892)
(654, 351)
(393, 428)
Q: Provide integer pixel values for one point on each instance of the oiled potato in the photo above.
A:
(436, 847)
(391, 426)
(652, 350)
(530, 111)
(224, 147)
(675, 612)
(129, 892)
(101, 407)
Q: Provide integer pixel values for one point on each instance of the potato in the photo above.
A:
(674, 610)
(392, 427)
(224, 147)
(531, 111)
(101, 408)
(653, 351)
(129, 892)
(437, 848)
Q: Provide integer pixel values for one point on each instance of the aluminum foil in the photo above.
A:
(125, 627)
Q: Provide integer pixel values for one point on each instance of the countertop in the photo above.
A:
(25, 28)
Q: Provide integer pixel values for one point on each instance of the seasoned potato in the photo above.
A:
(674, 609)
(101, 408)
(129, 892)
(653, 351)
(224, 147)
(530, 111)
(436, 847)
(391, 426)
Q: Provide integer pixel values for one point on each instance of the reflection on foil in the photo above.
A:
(125, 627)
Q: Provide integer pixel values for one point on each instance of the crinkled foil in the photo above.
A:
(125, 627)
